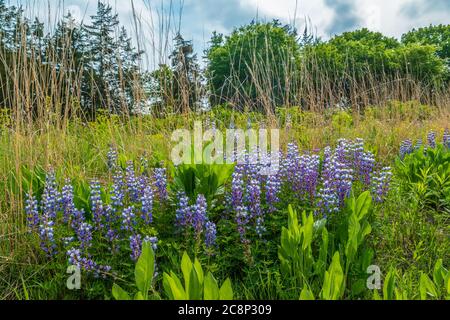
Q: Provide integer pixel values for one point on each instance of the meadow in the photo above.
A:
(93, 207)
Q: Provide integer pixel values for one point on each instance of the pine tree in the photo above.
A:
(102, 56)
(187, 74)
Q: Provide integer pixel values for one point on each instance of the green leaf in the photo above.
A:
(427, 288)
(333, 286)
(389, 286)
(186, 268)
(145, 268)
(363, 205)
(226, 291)
(173, 287)
(211, 288)
(119, 294)
(139, 296)
(306, 295)
(195, 289)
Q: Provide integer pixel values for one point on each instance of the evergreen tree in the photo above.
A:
(187, 87)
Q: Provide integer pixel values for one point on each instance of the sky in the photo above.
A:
(199, 18)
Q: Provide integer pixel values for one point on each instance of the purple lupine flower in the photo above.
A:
(31, 210)
(75, 259)
(210, 234)
(128, 219)
(153, 241)
(406, 148)
(132, 182)
(242, 220)
(143, 183)
(343, 182)
(254, 198)
(147, 205)
(237, 189)
(160, 178)
(365, 167)
(66, 201)
(184, 212)
(84, 235)
(381, 184)
(46, 234)
(135, 246)
(328, 200)
(446, 138)
(50, 196)
(112, 158)
(98, 211)
(273, 188)
(199, 217)
(78, 218)
(117, 192)
(431, 139)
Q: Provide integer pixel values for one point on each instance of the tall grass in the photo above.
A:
(43, 125)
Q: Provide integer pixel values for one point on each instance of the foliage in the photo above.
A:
(252, 56)
(197, 286)
(144, 276)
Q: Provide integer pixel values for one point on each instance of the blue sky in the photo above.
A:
(201, 17)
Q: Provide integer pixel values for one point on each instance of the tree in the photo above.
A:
(438, 36)
(102, 49)
(187, 84)
(254, 66)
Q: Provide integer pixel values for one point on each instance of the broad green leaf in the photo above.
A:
(119, 294)
(199, 271)
(145, 268)
(226, 291)
(306, 295)
(194, 290)
(139, 296)
(334, 280)
(173, 287)
(427, 288)
(186, 268)
(211, 288)
(363, 205)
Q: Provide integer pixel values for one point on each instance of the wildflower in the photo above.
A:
(237, 189)
(112, 158)
(77, 219)
(160, 177)
(46, 234)
(97, 204)
(132, 183)
(199, 217)
(31, 210)
(273, 187)
(147, 205)
(128, 219)
(381, 184)
(117, 194)
(184, 212)
(75, 259)
(254, 198)
(50, 196)
(242, 220)
(84, 234)
(135, 246)
(431, 139)
(446, 138)
(210, 234)
(406, 148)
(66, 201)
(153, 241)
